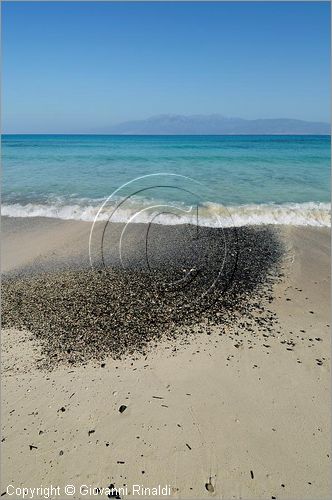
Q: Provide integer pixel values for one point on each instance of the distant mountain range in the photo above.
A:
(215, 124)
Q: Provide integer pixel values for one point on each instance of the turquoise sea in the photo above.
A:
(260, 179)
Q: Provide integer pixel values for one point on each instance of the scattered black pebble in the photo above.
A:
(113, 492)
(122, 408)
(209, 486)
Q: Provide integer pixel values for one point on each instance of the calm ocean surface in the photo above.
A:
(261, 179)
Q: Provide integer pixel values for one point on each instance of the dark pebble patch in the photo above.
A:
(87, 314)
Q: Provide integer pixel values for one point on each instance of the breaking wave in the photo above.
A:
(209, 214)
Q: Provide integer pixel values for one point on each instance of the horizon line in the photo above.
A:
(152, 135)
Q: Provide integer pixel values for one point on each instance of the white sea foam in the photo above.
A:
(210, 214)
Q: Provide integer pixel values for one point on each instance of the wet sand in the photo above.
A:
(229, 416)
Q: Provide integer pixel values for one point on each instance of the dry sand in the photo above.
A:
(249, 423)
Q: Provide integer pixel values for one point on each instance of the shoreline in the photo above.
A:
(52, 243)
(211, 214)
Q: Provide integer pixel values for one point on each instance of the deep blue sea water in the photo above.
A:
(261, 179)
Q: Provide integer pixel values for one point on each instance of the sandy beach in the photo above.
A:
(238, 415)
(166, 250)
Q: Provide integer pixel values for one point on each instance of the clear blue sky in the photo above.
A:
(76, 66)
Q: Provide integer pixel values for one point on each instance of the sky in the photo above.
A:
(71, 67)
